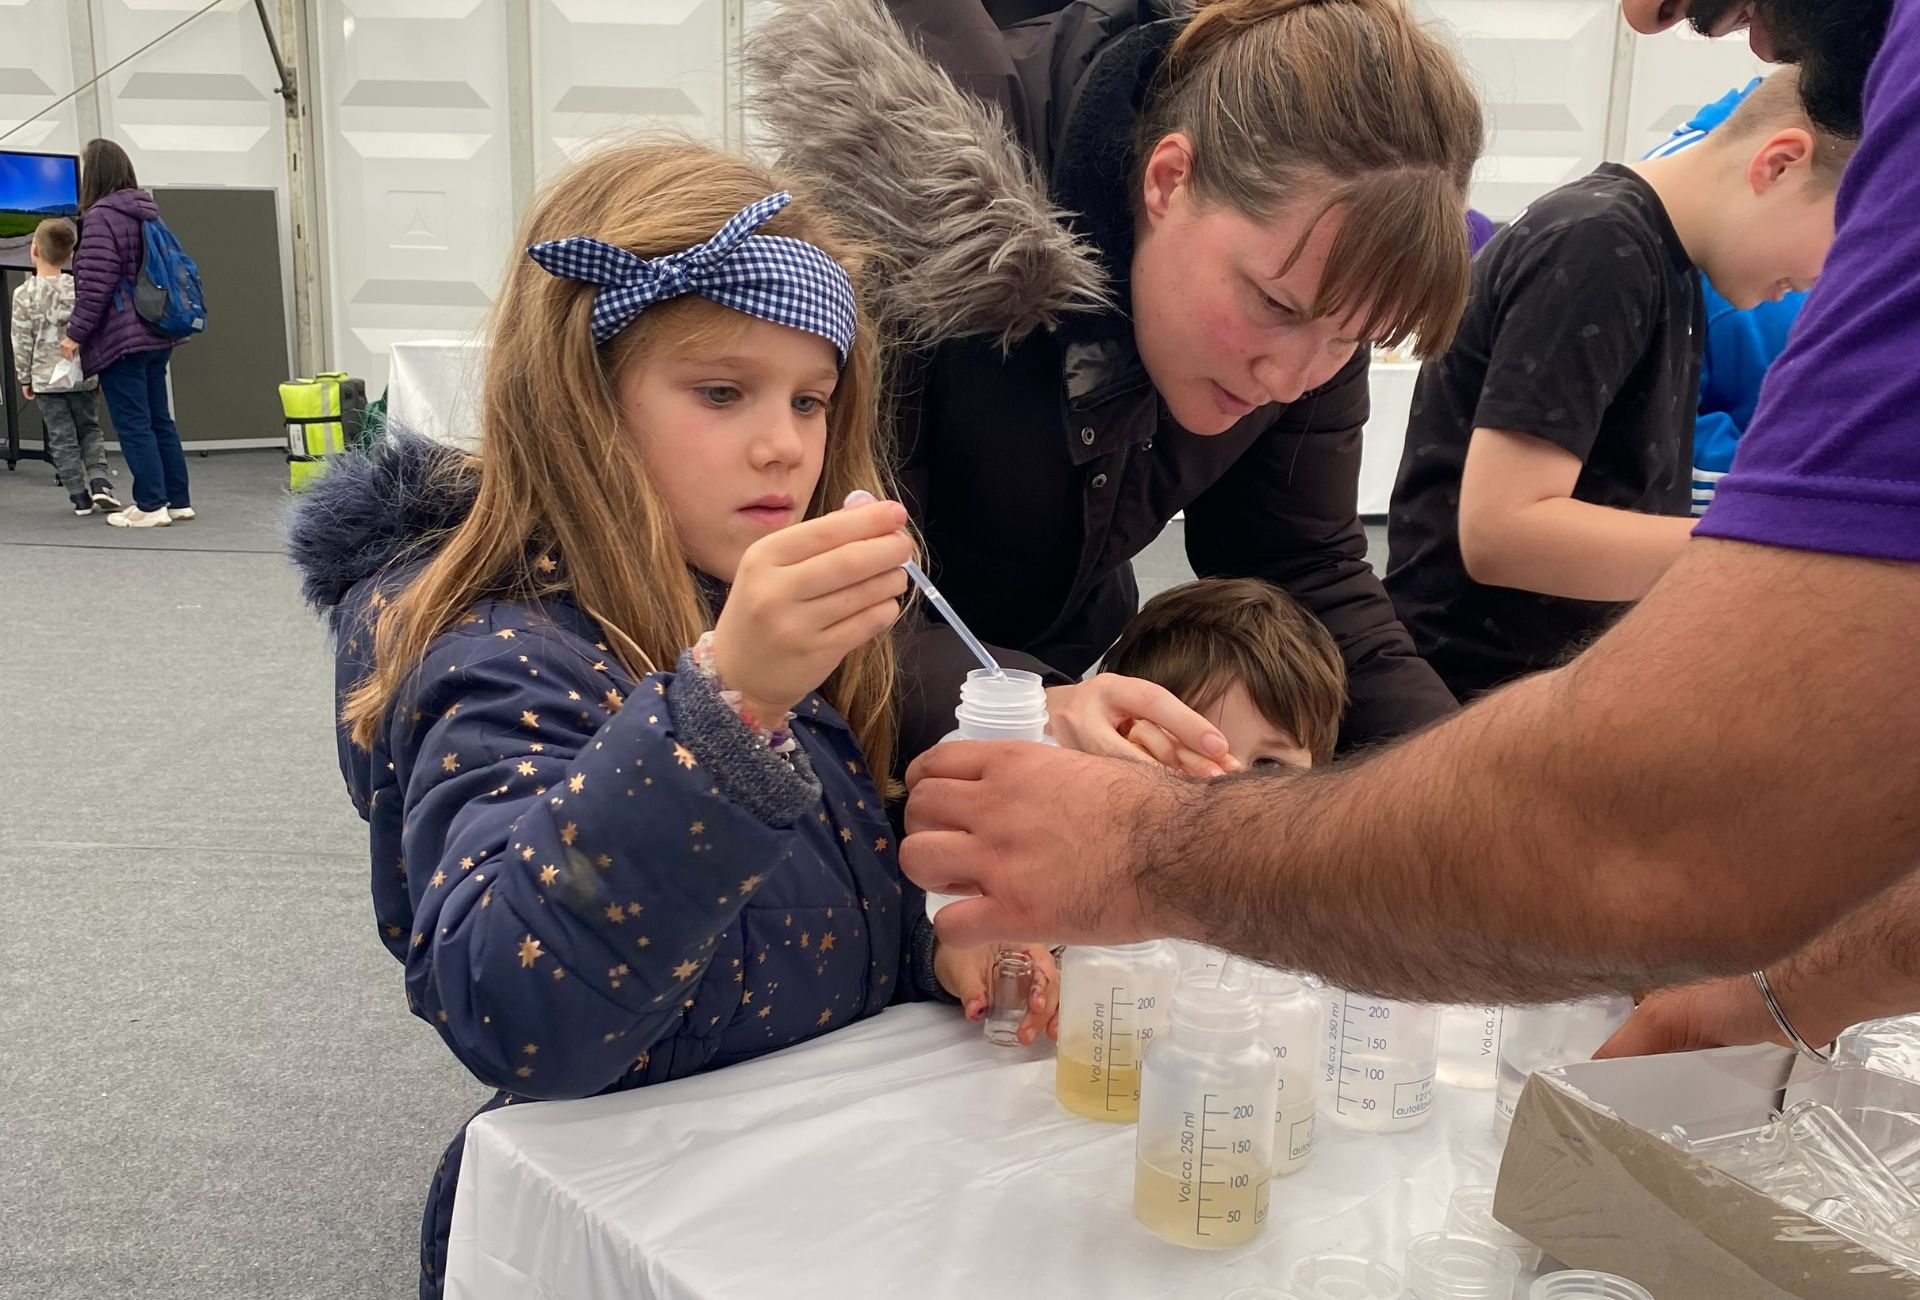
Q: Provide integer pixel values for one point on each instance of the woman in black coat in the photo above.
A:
(1135, 266)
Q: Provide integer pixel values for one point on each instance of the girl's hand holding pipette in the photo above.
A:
(1125, 717)
(967, 973)
(803, 598)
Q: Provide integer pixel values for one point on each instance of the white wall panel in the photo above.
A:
(36, 68)
(418, 178)
(1545, 73)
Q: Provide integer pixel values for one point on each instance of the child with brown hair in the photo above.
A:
(616, 694)
(1250, 659)
(42, 306)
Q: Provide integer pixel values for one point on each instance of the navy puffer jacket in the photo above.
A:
(594, 882)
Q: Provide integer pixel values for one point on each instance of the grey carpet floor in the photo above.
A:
(210, 1087)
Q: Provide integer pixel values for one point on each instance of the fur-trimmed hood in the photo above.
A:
(966, 237)
(373, 510)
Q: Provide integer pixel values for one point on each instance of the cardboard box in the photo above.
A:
(1586, 1179)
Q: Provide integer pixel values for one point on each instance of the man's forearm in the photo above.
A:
(1720, 778)
(1866, 967)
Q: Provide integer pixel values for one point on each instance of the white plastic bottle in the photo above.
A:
(1539, 1038)
(1203, 1155)
(1008, 705)
(1378, 1059)
(1470, 1045)
(1290, 1012)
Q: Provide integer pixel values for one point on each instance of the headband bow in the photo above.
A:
(786, 281)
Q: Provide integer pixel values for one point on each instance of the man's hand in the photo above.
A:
(1717, 1013)
(1048, 837)
(967, 973)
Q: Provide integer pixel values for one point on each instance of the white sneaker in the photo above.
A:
(138, 518)
(182, 514)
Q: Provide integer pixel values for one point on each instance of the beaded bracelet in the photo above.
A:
(779, 739)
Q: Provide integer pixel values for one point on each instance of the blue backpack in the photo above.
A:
(166, 293)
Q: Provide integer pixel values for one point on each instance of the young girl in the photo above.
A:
(616, 839)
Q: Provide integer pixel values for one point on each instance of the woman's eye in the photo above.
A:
(718, 394)
(809, 405)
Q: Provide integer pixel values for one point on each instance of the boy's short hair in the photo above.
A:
(55, 238)
(1199, 639)
(1775, 105)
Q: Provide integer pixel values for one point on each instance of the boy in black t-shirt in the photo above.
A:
(1545, 480)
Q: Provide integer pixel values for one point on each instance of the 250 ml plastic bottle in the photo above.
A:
(1378, 1059)
(1113, 1004)
(1008, 705)
(1204, 1154)
(1290, 1012)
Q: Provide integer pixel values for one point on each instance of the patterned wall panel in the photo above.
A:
(36, 67)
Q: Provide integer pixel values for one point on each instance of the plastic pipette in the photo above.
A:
(934, 598)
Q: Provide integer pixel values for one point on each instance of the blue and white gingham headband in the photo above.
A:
(786, 281)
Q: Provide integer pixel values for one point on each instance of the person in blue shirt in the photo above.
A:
(1740, 345)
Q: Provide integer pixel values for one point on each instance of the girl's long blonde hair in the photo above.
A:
(558, 473)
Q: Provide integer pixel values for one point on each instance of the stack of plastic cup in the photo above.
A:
(1345, 1277)
(1448, 1266)
(1582, 1285)
(1470, 1214)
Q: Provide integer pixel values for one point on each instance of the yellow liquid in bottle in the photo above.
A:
(1103, 1092)
(1214, 1206)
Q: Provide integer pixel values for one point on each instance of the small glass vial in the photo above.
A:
(1113, 1001)
(1007, 999)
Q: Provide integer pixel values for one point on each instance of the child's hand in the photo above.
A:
(806, 596)
(1125, 717)
(28, 390)
(967, 973)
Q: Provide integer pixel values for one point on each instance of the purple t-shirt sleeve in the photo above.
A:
(1831, 461)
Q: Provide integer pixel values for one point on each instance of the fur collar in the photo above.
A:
(967, 240)
(373, 510)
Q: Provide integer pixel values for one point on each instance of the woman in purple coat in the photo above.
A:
(114, 342)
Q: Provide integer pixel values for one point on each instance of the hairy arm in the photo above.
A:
(1722, 777)
(1520, 525)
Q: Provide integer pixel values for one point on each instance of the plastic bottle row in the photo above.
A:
(1370, 1064)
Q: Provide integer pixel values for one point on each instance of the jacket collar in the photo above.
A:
(1092, 178)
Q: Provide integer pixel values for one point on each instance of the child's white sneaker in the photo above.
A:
(182, 514)
(138, 518)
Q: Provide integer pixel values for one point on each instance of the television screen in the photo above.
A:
(33, 187)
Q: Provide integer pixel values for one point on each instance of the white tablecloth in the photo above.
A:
(900, 1154)
(433, 388)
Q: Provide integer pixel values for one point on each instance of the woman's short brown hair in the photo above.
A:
(1201, 639)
